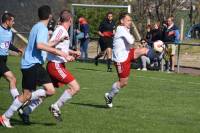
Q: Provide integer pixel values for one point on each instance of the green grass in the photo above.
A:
(153, 102)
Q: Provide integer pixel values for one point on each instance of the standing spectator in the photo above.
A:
(106, 32)
(6, 36)
(171, 36)
(156, 32)
(149, 35)
(83, 36)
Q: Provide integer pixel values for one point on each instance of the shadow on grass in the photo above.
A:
(94, 105)
(90, 69)
(19, 122)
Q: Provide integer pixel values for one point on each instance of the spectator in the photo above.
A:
(156, 32)
(83, 36)
(144, 59)
(149, 35)
(171, 37)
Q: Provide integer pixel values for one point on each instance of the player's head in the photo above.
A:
(44, 12)
(7, 20)
(125, 20)
(109, 16)
(65, 18)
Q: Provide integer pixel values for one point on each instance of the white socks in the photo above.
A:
(38, 93)
(64, 98)
(14, 92)
(13, 108)
(114, 90)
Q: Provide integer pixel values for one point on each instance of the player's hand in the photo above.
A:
(171, 33)
(20, 51)
(77, 54)
(70, 58)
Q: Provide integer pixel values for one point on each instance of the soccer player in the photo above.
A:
(106, 33)
(57, 71)
(123, 54)
(56, 65)
(31, 65)
(6, 36)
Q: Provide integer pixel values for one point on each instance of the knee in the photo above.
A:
(76, 88)
(51, 91)
(123, 84)
(26, 96)
(12, 79)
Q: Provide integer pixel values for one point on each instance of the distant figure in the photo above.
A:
(171, 36)
(106, 33)
(83, 36)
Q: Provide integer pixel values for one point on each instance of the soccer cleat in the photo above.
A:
(24, 117)
(55, 111)
(144, 69)
(108, 100)
(5, 122)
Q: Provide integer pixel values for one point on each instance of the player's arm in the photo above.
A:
(55, 51)
(53, 43)
(100, 29)
(126, 35)
(15, 49)
(42, 44)
(57, 37)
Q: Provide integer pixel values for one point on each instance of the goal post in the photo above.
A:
(73, 6)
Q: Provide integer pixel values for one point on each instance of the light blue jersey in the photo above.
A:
(32, 55)
(5, 40)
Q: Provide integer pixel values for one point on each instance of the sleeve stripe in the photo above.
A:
(59, 34)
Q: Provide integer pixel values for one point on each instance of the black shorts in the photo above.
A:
(105, 42)
(34, 76)
(3, 66)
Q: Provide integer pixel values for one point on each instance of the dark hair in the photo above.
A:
(44, 12)
(123, 15)
(6, 16)
(143, 39)
(65, 16)
(108, 13)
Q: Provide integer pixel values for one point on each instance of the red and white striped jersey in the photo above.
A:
(59, 32)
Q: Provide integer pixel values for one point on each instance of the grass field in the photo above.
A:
(153, 102)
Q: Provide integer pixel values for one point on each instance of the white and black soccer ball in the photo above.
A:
(159, 46)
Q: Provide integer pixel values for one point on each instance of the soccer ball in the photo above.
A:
(159, 46)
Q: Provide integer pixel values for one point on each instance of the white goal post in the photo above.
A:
(128, 7)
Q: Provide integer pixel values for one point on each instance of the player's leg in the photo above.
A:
(9, 76)
(37, 97)
(73, 88)
(28, 84)
(66, 96)
(103, 51)
(123, 70)
(109, 59)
